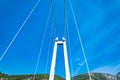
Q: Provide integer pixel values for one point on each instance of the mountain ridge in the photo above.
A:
(95, 76)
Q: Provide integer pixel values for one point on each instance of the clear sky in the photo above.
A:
(99, 25)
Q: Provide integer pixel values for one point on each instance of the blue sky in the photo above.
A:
(99, 25)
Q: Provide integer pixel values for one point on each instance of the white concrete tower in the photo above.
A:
(52, 71)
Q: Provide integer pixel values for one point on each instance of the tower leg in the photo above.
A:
(52, 71)
(66, 61)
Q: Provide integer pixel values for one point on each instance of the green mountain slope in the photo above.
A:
(27, 77)
(118, 76)
(97, 76)
(3, 75)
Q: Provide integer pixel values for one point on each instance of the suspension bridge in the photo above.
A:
(57, 42)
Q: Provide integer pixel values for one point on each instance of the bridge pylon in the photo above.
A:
(52, 70)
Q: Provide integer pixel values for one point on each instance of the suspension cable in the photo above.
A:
(19, 30)
(83, 50)
(64, 18)
(43, 39)
(53, 18)
(66, 33)
(67, 30)
(51, 33)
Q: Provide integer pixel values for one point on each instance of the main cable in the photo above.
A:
(67, 30)
(53, 18)
(49, 50)
(13, 39)
(66, 33)
(83, 50)
(65, 18)
(41, 45)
